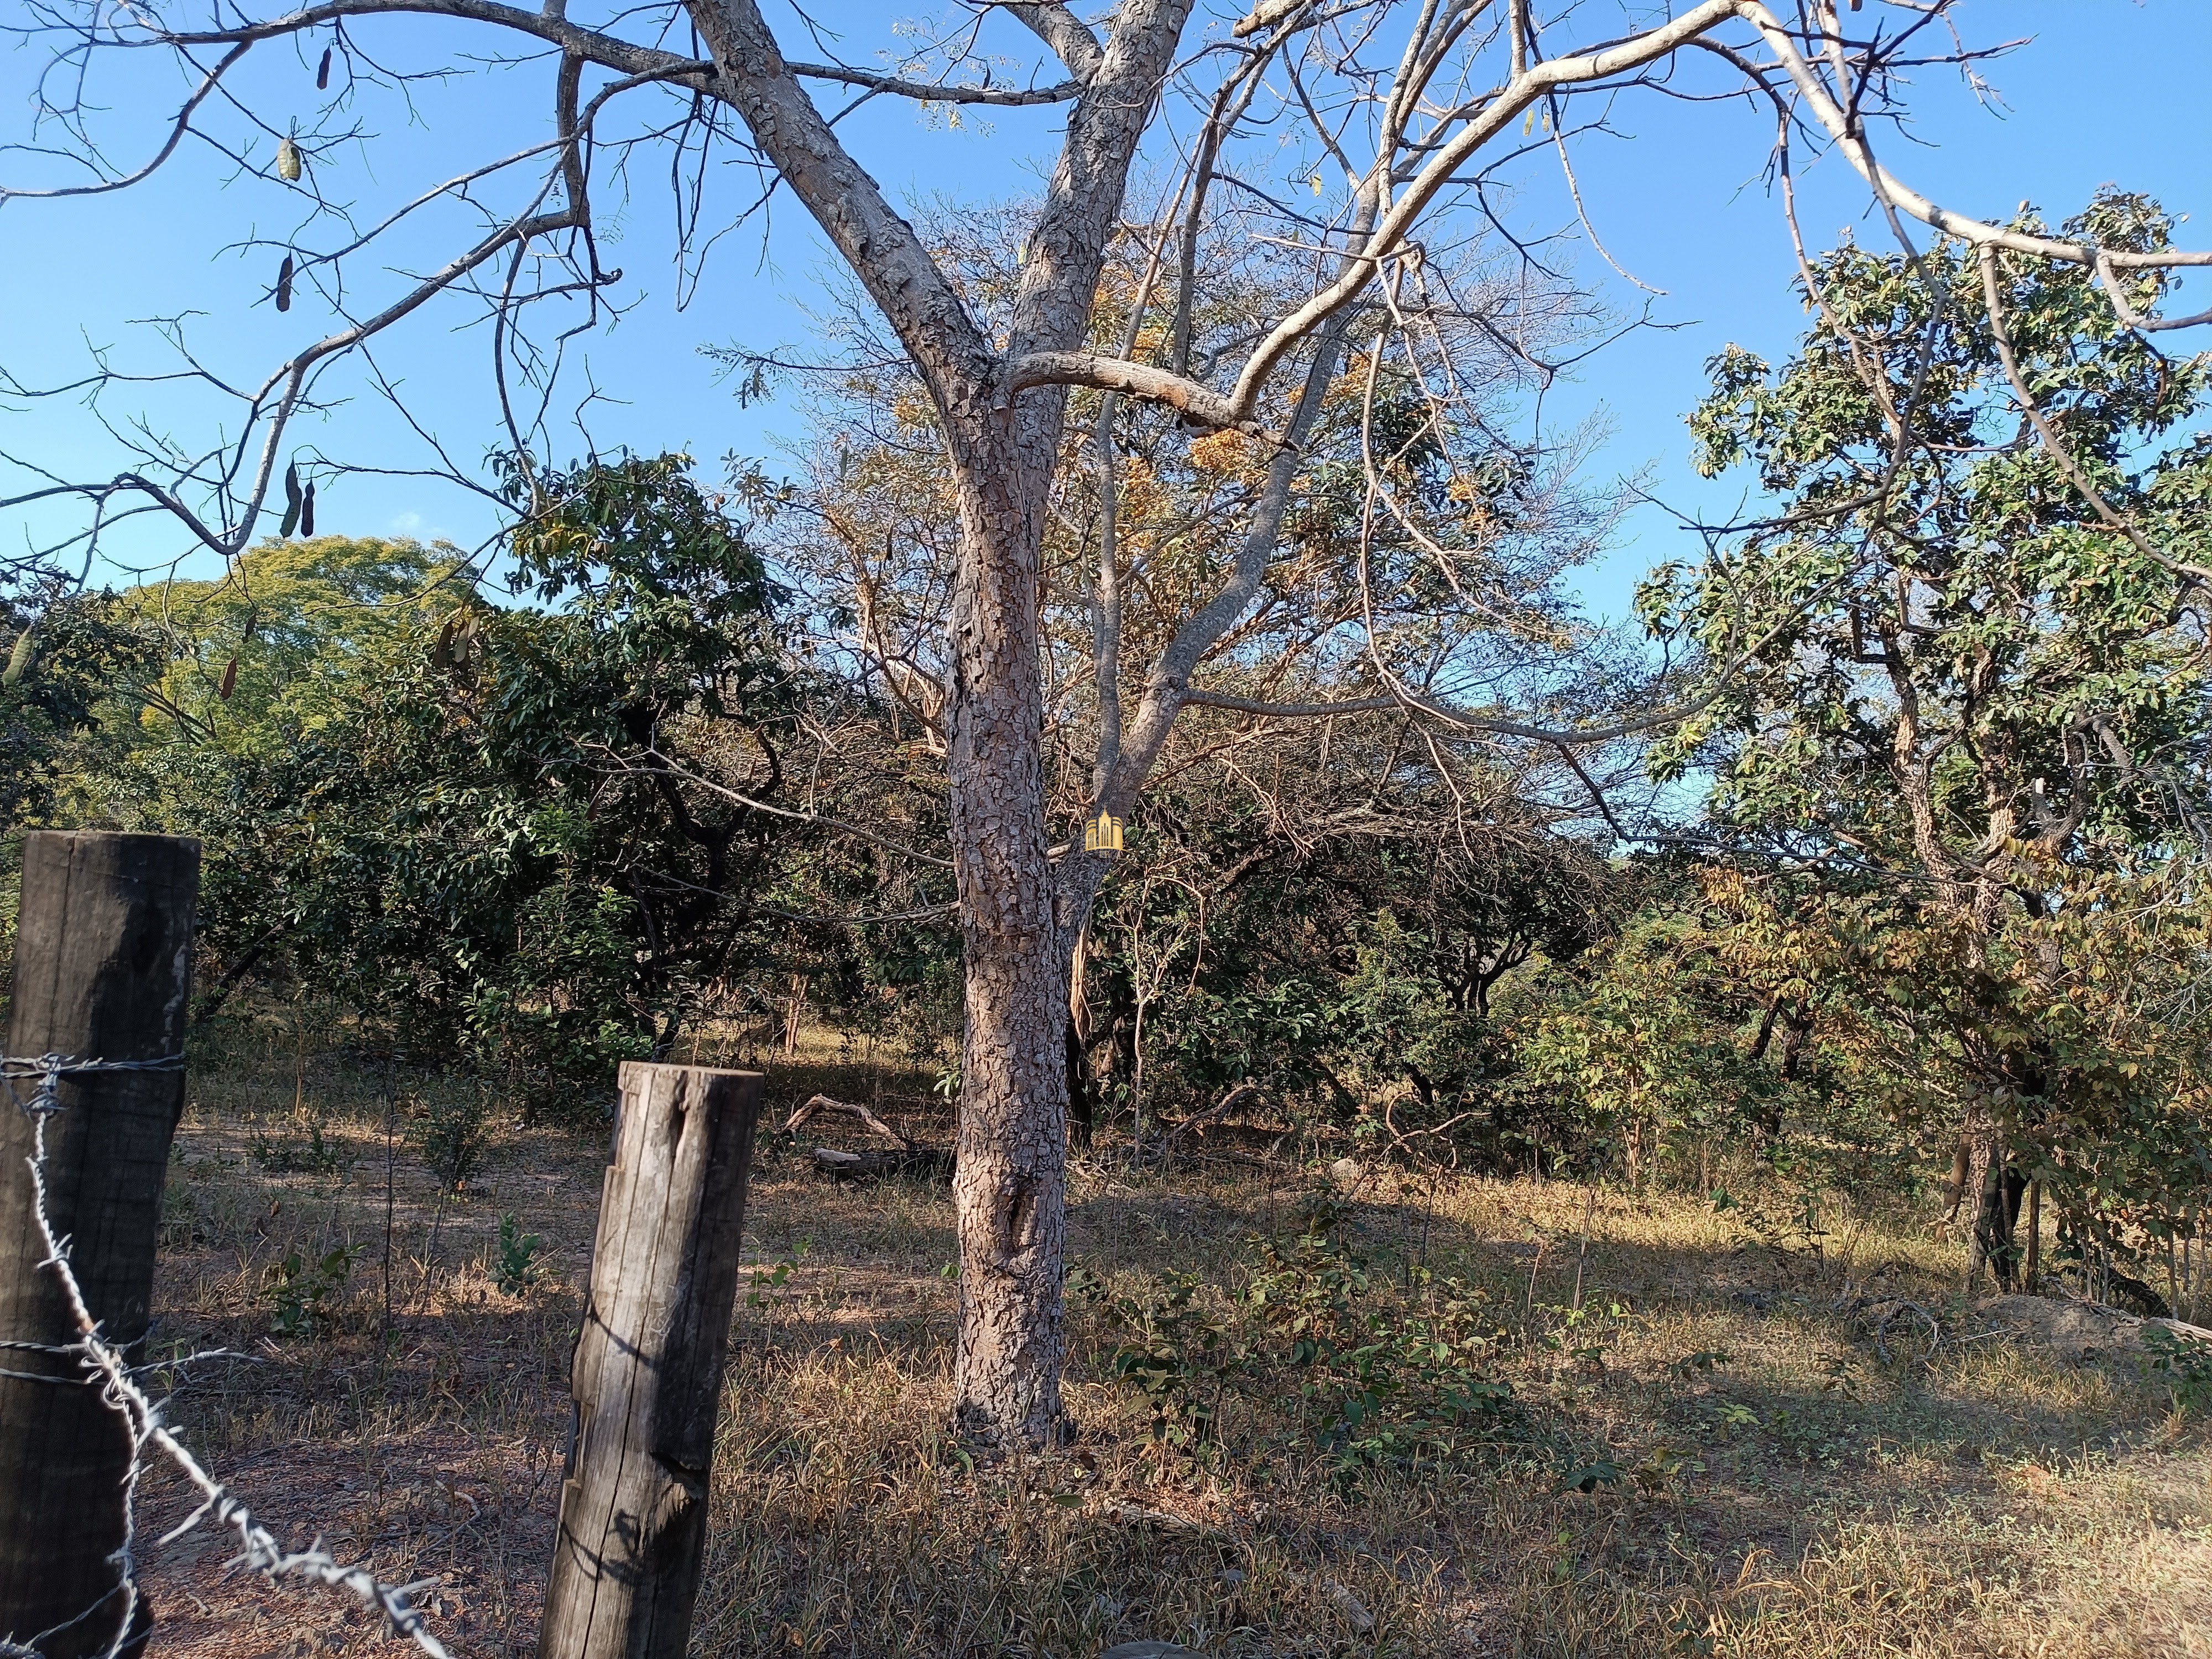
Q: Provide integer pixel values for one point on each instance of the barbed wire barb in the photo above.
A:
(258, 1549)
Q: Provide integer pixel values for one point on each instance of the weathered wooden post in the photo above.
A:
(647, 1376)
(103, 953)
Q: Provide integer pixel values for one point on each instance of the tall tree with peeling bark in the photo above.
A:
(1403, 105)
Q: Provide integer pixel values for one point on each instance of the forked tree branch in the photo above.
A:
(551, 25)
(1540, 80)
(1395, 225)
(881, 248)
(178, 128)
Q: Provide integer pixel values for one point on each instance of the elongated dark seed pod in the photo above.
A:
(323, 72)
(291, 501)
(308, 511)
(284, 284)
(229, 680)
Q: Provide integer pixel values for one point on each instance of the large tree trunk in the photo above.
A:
(1009, 1191)
(1009, 1187)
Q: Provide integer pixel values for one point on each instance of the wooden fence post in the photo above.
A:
(647, 1376)
(103, 953)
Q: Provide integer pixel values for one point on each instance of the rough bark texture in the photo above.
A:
(1009, 1187)
(1010, 1179)
(102, 957)
(648, 1369)
(1009, 1176)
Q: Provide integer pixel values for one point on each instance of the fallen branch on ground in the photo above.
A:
(815, 1107)
(1892, 1308)
(907, 1156)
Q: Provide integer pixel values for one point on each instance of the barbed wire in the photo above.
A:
(258, 1549)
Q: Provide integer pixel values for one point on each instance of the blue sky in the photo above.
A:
(2105, 91)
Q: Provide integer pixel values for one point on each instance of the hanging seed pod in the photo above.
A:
(18, 659)
(291, 501)
(308, 511)
(284, 284)
(229, 680)
(323, 72)
(441, 654)
(288, 160)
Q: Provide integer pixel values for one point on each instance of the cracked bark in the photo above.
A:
(1009, 1186)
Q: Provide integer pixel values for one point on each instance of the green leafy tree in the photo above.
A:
(1643, 1037)
(63, 653)
(1982, 684)
(68, 653)
(482, 825)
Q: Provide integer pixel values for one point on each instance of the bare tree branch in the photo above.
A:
(1058, 27)
(1892, 190)
(1204, 405)
(934, 92)
(178, 128)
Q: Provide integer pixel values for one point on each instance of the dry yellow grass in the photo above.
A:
(1804, 1497)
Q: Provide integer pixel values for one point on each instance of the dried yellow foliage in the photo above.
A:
(1218, 452)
